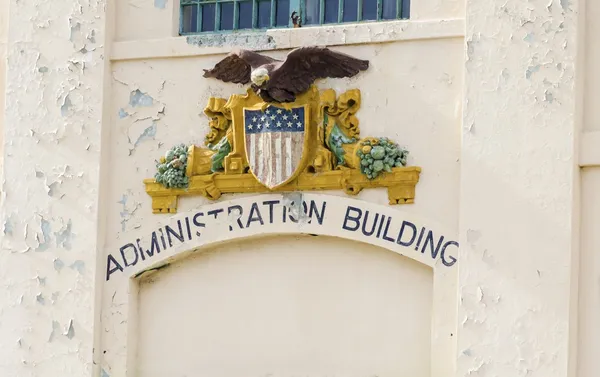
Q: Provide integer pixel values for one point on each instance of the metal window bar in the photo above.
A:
(401, 11)
(196, 23)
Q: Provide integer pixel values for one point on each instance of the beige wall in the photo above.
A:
(413, 100)
(3, 39)
(589, 304)
(285, 306)
(488, 97)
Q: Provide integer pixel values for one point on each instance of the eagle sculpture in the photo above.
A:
(281, 81)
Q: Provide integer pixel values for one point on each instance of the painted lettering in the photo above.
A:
(420, 238)
(412, 238)
(429, 240)
(380, 226)
(240, 211)
(385, 231)
(110, 270)
(187, 226)
(198, 223)
(154, 247)
(215, 212)
(368, 222)
(313, 210)
(293, 208)
(135, 253)
(270, 203)
(452, 259)
(162, 238)
(254, 215)
(171, 232)
(356, 218)
(364, 224)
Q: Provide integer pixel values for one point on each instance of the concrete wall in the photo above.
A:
(518, 189)
(50, 185)
(413, 100)
(288, 305)
(487, 96)
(589, 303)
(3, 38)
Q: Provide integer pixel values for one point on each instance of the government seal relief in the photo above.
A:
(283, 135)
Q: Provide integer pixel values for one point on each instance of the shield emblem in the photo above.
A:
(275, 142)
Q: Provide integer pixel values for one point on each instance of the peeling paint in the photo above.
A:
(58, 264)
(70, 331)
(127, 213)
(46, 231)
(139, 99)
(250, 41)
(160, 4)
(531, 70)
(104, 373)
(64, 108)
(148, 134)
(40, 299)
(473, 235)
(75, 28)
(123, 113)
(8, 227)
(55, 330)
(63, 237)
(79, 266)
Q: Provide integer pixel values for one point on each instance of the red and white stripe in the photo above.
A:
(274, 156)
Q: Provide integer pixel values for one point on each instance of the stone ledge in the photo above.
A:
(281, 39)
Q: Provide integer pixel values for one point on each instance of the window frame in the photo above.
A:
(403, 8)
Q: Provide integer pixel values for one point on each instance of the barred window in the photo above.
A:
(210, 16)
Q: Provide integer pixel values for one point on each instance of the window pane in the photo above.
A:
(389, 9)
(245, 14)
(264, 14)
(350, 10)
(190, 19)
(208, 17)
(331, 11)
(405, 8)
(283, 13)
(312, 8)
(369, 10)
(227, 16)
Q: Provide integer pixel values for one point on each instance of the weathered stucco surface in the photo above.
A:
(509, 186)
(518, 168)
(50, 187)
(328, 295)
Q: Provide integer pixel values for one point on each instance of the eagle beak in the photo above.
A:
(266, 77)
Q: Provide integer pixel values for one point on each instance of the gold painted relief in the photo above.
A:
(333, 154)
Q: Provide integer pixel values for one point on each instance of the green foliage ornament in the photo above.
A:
(222, 148)
(337, 139)
(379, 155)
(171, 168)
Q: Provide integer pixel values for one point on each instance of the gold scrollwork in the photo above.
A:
(327, 165)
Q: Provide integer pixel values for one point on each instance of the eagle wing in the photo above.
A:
(237, 65)
(304, 65)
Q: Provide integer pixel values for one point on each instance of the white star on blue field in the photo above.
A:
(274, 119)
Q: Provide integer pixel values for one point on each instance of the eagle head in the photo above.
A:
(259, 76)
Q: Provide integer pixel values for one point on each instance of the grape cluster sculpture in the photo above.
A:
(379, 155)
(172, 166)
